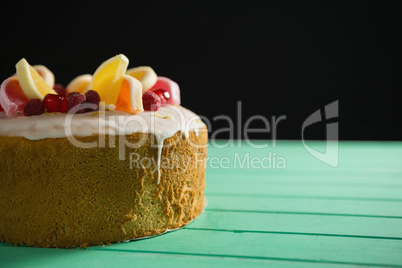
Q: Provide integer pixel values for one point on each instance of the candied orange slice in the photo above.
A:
(130, 96)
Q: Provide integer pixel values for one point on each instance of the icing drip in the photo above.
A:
(169, 120)
(160, 146)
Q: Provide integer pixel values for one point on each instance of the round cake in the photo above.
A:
(99, 176)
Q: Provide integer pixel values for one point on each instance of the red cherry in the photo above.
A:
(151, 101)
(34, 107)
(163, 95)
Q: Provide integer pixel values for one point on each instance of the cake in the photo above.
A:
(104, 171)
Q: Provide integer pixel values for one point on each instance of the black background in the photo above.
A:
(276, 57)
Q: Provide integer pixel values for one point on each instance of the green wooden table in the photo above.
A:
(305, 214)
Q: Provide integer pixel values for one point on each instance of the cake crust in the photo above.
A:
(54, 194)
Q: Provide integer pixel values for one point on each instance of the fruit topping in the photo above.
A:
(75, 100)
(163, 94)
(63, 104)
(145, 74)
(60, 89)
(46, 74)
(34, 107)
(91, 96)
(108, 78)
(31, 82)
(12, 97)
(33, 90)
(171, 87)
(54, 103)
(79, 84)
(72, 93)
(130, 96)
(151, 101)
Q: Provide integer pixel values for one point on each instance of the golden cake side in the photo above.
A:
(54, 194)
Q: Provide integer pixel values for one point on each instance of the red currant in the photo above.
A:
(63, 108)
(151, 101)
(75, 100)
(91, 96)
(34, 107)
(51, 103)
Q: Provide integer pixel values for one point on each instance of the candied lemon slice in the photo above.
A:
(45, 73)
(130, 96)
(31, 82)
(145, 74)
(108, 78)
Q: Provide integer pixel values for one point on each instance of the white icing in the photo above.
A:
(160, 146)
(169, 120)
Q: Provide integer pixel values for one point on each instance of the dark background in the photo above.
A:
(277, 57)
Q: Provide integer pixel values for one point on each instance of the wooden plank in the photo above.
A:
(13, 257)
(308, 248)
(305, 161)
(365, 150)
(349, 147)
(358, 173)
(244, 165)
(299, 223)
(302, 179)
(266, 189)
(305, 205)
(352, 156)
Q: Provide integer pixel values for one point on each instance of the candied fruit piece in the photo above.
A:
(34, 107)
(163, 95)
(75, 100)
(92, 97)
